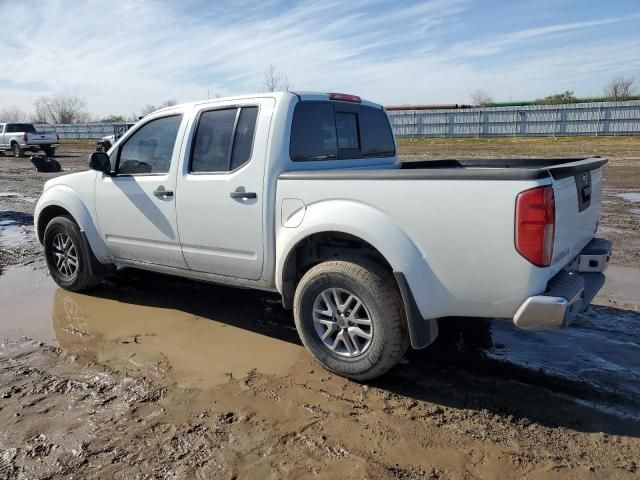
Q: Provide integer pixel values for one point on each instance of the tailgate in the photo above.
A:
(578, 195)
(41, 138)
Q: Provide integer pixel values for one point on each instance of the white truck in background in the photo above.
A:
(19, 138)
(303, 194)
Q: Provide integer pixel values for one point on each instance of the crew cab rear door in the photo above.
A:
(220, 192)
(136, 206)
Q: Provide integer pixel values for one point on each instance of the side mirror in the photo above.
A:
(100, 161)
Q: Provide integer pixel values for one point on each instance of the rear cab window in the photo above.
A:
(20, 128)
(326, 130)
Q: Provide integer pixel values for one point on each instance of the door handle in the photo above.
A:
(162, 193)
(243, 194)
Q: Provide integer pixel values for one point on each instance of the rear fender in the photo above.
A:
(379, 230)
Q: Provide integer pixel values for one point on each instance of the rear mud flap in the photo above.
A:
(422, 333)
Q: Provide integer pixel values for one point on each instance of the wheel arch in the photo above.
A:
(62, 200)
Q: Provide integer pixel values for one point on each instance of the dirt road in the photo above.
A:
(158, 377)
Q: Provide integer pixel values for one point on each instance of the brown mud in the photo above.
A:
(151, 376)
(157, 377)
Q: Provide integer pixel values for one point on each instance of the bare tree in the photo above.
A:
(481, 98)
(61, 108)
(112, 118)
(150, 108)
(169, 103)
(13, 114)
(147, 109)
(40, 114)
(275, 81)
(619, 88)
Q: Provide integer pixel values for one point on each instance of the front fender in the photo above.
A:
(67, 198)
(381, 231)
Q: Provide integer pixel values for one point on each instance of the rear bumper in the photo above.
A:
(40, 145)
(569, 292)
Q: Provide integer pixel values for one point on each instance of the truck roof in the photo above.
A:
(303, 96)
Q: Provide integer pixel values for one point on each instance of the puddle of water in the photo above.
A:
(199, 351)
(25, 304)
(129, 326)
(16, 229)
(18, 196)
(601, 347)
(605, 229)
(630, 196)
(200, 332)
(13, 235)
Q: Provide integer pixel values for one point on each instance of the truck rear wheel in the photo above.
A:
(49, 151)
(17, 151)
(349, 314)
(69, 257)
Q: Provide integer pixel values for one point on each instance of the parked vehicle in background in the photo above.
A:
(23, 137)
(303, 194)
(105, 144)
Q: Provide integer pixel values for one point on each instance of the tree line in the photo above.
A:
(617, 90)
(72, 108)
(69, 108)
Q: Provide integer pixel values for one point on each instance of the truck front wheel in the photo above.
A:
(349, 314)
(69, 257)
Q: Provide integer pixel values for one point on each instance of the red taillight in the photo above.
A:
(24, 138)
(345, 97)
(535, 225)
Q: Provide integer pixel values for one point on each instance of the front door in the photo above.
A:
(136, 207)
(220, 189)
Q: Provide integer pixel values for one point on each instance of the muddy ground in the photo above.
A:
(151, 376)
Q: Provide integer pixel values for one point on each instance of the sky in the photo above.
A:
(123, 55)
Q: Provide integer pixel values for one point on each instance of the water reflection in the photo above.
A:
(194, 340)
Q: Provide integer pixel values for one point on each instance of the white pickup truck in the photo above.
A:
(22, 137)
(303, 194)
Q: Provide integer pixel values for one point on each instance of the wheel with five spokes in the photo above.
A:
(349, 314)
(70, 261)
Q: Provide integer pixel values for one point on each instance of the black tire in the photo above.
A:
(17, 151)
(88, 272)
(376, 288)
(49, 151)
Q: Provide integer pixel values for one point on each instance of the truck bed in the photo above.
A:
(457, 216)
(463, 169)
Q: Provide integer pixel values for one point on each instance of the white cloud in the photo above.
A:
(123, 56)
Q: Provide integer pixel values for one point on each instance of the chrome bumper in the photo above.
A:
(569, 292)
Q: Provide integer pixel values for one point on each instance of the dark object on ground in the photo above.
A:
(46, 164)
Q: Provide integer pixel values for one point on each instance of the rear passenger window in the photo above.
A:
(313, 132)
(339, 130)
(243, 142)
(223, 140)
(213, 141)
